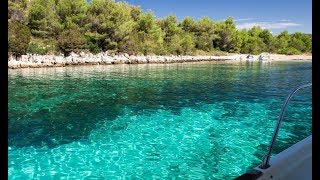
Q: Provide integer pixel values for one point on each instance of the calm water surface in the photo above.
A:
(210, 120)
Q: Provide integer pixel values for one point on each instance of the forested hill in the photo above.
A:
(63, 26)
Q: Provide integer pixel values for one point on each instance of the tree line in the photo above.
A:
(65, 26)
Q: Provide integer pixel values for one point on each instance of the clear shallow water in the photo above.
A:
(209, 120)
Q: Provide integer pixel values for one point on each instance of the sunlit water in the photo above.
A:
(209, 120)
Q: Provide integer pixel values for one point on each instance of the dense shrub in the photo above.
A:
(92, 45)
(289, 51)
(34, 48)
(19, 36)
(71, 41)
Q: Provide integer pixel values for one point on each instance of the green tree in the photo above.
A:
(17, 10)
(228, 38)
(187, 43)
(71, 40)
(188, 24)
(255, 42)
(289, 51)
(72, 13)
(117, 26)
(92, 43)
(204, 34)
(268, 40)
(307, 39)
(244, 36)
(110, 24)
(132, 44)
(150, 35)
(174, 47)
(301, 42)
(170, 27)
(135, 12)
(43, 19)
(18, 38)
(99, 26)
(34, 48)
(282, 40)
(297, 44)
(123, 25)
(172, 38)
(146, 22)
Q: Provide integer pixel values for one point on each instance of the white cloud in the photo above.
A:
(244, 19)
(267, 25)
(285, 20)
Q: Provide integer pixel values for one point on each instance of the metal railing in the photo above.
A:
(265, 162)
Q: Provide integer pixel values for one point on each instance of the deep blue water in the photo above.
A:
(210, 120)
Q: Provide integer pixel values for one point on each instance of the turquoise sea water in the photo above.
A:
(210, 120)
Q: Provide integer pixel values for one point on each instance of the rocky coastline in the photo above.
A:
(37, 61)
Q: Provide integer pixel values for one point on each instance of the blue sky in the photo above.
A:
(275, 15)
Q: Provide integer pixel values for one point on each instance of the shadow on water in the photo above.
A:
(50, 107)
(295, 126)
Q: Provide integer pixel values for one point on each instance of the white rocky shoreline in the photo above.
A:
(36, 61)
